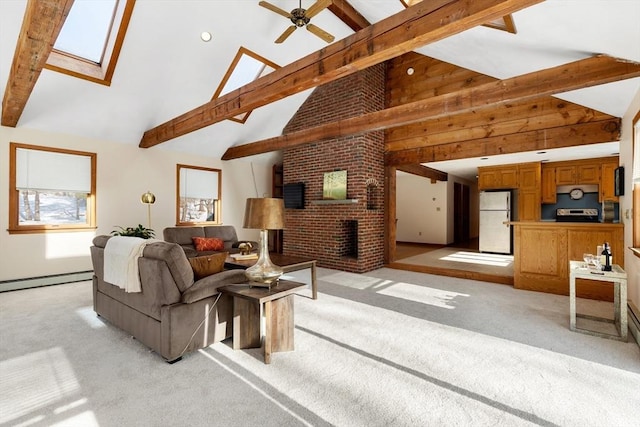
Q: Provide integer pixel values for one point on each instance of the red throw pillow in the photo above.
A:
(208, 243)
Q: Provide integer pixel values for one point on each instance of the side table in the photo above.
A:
(251, 303)
(618, 277)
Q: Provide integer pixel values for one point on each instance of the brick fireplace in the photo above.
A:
(347, 236)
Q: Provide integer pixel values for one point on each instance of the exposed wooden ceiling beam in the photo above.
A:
(411, 28)
(596, 70)
(349, 15)
(544, 139)
(41, 25)
(424, 171)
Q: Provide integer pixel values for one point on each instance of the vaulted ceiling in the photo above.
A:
(165, 70)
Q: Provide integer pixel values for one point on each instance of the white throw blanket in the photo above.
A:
(121, 261)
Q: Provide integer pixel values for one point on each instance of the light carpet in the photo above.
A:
(387, 348)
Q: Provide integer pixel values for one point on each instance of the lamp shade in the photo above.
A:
(264, 213)
(148, 198)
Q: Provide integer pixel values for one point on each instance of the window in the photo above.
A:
(51, 189)
(245, 68)
(199, 195)
(90, 40)
(635, 138)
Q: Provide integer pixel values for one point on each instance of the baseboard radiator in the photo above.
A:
(634, 321)
(54, 279)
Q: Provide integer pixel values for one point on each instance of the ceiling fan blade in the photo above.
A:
(320, 33)
(317, 7)
(286, 34)
(275, 9)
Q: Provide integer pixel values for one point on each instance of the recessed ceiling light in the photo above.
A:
(484, 158)
(545, 160)
(205, 36)
(410, 71)
(541, 152)
(614, 154)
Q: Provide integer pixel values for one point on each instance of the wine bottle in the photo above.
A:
(606, 251)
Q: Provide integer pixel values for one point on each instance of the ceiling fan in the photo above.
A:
(300, 18)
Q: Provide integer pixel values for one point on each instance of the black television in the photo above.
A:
(294, 195)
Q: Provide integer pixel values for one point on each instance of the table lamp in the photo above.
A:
(264, 214)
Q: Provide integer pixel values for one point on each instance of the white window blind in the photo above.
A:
(636, 152)
(198, 184)
(50, 171)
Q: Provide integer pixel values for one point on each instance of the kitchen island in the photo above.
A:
(543, 249)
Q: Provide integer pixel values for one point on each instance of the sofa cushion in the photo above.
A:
(209, 285)
(208, 244)
(173, 255)
(207, 265)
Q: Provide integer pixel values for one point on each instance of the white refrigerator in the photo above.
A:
(495, 213)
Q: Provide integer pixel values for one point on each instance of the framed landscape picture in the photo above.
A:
(335, 185)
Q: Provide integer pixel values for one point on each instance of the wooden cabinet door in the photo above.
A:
(529, 176)
(529, 205)
(607, 182)
(565, 175)
(487, 179)
(549, 185)
(508, 178)
(588, 174)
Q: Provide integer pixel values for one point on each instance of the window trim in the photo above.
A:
(217, 210)
(14, 222)
(81, 68)
(635, 207)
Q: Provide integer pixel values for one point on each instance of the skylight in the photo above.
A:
(246, 67)
(86, 30)
(90, 40)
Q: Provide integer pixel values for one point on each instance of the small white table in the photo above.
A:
(618, 277)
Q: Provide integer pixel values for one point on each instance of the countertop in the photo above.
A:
(553, 223)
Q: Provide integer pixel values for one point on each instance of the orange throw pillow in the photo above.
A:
(208, 243)
(207, 265)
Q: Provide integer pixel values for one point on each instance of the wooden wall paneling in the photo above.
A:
(511, 119)
(567, 136)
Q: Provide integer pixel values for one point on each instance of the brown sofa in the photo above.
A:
(183, 237)
(173, 311)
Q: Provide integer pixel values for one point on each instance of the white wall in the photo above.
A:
(425, 210)
(124, 172)
(631, 262)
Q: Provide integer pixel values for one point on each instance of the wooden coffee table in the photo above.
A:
(250, 304)
(286, 262)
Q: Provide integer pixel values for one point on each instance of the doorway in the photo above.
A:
(461, 213)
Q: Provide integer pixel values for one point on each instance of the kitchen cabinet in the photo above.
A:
(581, 174)
(548, 185)
(565, 175)
(529, 205)
(542, 251)
(588, 174)
(529, 177)
(497, 177)
(607, 182)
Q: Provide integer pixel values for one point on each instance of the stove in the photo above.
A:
(577, 215)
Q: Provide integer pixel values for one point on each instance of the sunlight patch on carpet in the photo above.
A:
(422, 294)
(88, 315)
(479, 258)
(34, 381)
